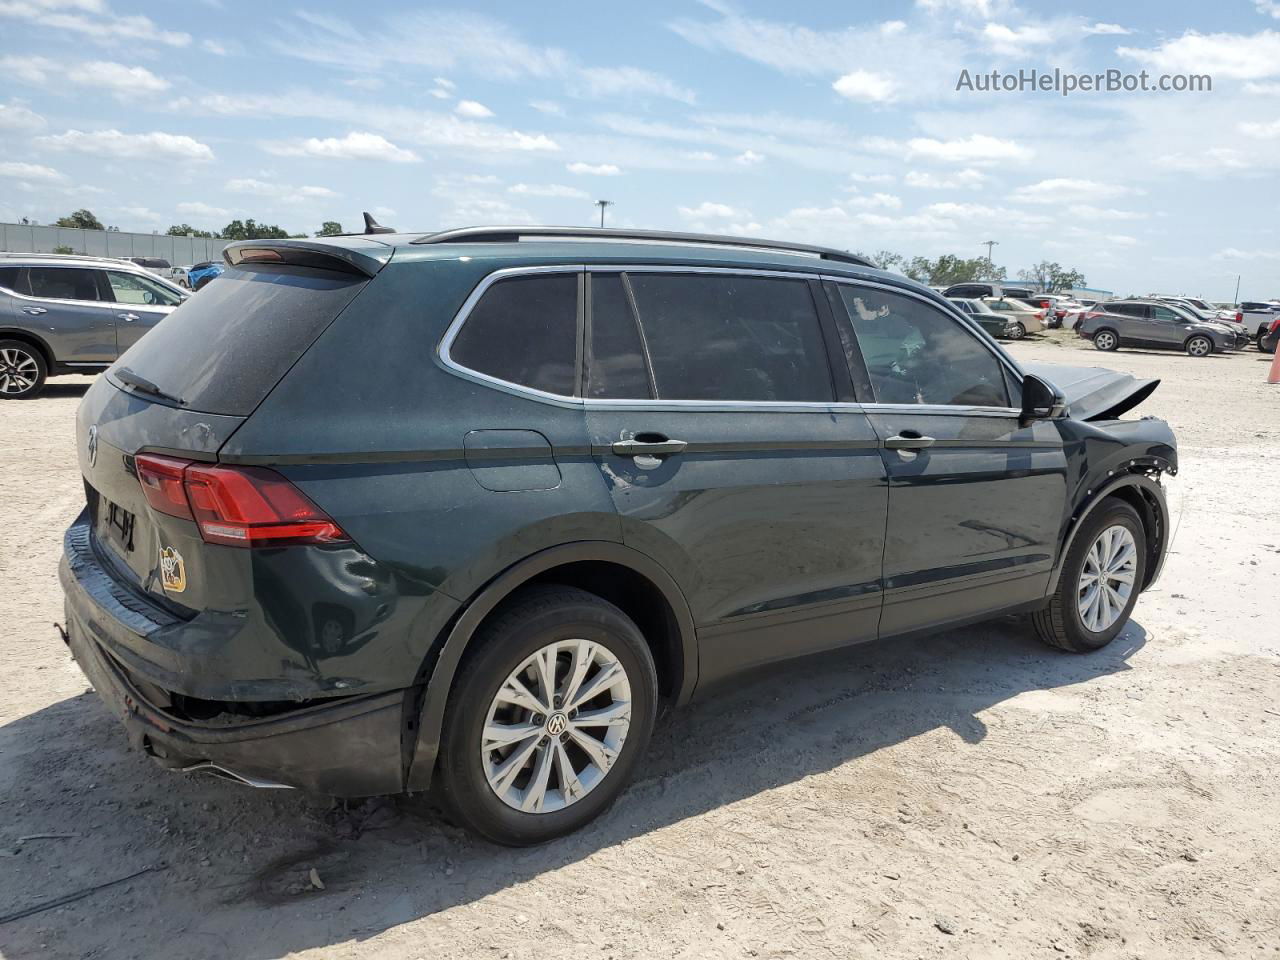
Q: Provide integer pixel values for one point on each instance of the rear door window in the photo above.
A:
(523, 330)
(616, 363)
(63, 283)
(915, 353)
(727, 337)
(11, 279)
(223, 351)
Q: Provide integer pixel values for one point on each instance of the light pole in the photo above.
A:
(1237, 299)
(602, 204)
(990, 266)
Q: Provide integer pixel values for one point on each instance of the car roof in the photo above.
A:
(64, 260)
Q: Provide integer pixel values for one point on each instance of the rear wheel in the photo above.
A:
(22, 370)
(1199, 347)
(1106, 340)
(1016, 330)
(548, 719)
(1100, 581)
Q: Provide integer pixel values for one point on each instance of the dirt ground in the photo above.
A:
(970, 795)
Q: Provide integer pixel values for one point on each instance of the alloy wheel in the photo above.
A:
(1199, 347)
(556, 726)
(1106, 582)
(18, 371)
(1104, 340)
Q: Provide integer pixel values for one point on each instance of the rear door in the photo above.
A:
(73, 312)
(141, 303)
(735, 458)
(976, 499)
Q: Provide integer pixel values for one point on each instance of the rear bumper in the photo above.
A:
(350, 747)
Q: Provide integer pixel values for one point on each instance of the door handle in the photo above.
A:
(129, 317)
(648, 448)
(908, 442)
(34, 311)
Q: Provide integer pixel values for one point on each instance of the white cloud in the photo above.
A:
(322, 193)
(1121, 240)
(200, 209)
(1017, 42)
(1262, 130)
(141, 146)
(709, 210)
(1234, 253)
(471, 108)
(1060, 190)
(116, 77)
(30, 171)
(31, 70)
(865, 87)
(1245, 57)
(213, 46)
(248, 185)
(444, 82)
(593, 169)
(547, 106)
(886, 201)
(603, 82)
(357, 145)
(871, 177)
(19, 119)
(1106, 29)
(971, 8)
(968, 178)
(977, 148)
(93, 20)
(1086, 211)
(1268, 7)
(890, 27)
(140, 212)
(748, 158)
(547, 190)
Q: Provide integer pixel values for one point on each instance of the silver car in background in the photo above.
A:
(1153, 324)
(1022, 315)
(68, 314)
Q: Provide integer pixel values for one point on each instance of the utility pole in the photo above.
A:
(602, 204)
(1237, 299)
(991, 269)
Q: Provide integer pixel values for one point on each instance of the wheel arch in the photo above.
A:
(631, 580)
(26, 336)
(1143, 494)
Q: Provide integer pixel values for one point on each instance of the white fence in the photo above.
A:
(179, 251)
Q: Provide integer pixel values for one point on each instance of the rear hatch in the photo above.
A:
(180, 393)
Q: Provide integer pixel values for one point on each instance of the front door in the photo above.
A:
(714, 417)
(68, 306)
(976, 499)
(1166, 327)
(141, 303)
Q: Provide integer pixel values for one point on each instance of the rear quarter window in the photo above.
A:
(224, 350)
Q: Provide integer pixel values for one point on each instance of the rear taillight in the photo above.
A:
(1093, 315)
(1239, 317)
(1275, 324)
(236, 506)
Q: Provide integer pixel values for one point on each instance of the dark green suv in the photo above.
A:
(466, 511)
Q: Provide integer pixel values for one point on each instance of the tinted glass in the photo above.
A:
(63, 283)
(9, 277)
(1164, 313)
(131, 288)
(723, 337)
(1127, 309)
(615, 363)
(224, 350)
(523, 330)
(916, 354)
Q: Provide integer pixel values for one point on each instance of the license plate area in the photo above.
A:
(119, 525)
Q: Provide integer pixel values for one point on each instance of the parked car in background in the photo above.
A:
(158, 265)
(1257, 316)
(68, 314)
(977, 291)
(1151, 323)
(1189, 305)
(201, 274)
(997, 324)
(1023, 317)
(583, 533)
(1267, 339)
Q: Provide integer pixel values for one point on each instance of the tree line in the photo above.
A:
(1047, 275)
(235, 230)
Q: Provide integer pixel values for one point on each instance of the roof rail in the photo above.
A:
(516, 233)
(58, 256)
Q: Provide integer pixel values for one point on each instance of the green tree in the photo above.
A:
(884, 259)
(186, 230)
(1052, 277)
(83, 219)
(949, 269)
(252, 230)
(63, 248)
(330, 228)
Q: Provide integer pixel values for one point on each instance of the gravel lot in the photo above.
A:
(970, 795)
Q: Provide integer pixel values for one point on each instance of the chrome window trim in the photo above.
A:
(772, 406)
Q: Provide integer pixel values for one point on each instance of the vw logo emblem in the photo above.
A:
(557, 724)
(93, 445)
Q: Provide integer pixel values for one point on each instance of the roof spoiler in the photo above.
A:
(309, 253)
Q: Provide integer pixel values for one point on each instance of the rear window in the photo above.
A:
(223, 351)
(9, 278)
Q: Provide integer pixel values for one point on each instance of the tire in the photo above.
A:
(1062, 624)
(1106, 340)
(526, 626)
(22, 370)
(1017, 331)
(1198, 346)
(203, 282)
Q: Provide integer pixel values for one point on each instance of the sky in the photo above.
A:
(832, 123)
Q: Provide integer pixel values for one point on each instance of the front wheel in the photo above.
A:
(1100, 581)
(548, 718)
(1105, 340)
(22, 370)
(1199, 347)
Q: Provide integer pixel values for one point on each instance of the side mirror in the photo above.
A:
(1041, 400)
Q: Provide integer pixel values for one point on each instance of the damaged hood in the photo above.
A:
(1094, 393)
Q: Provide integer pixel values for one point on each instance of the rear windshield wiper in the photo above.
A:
(142, 385)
